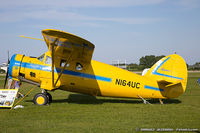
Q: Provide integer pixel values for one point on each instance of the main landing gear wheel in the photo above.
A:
(49, 97)
(41, 99)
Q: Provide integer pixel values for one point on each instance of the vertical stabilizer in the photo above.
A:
(171, 75)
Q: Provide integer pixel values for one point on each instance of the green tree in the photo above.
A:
(159, 57)
(149, 60)
(197, 66)
(2, 71)
(132, 67)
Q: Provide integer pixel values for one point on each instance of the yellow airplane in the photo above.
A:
(68, 66)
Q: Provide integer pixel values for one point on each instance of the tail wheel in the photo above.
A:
(49, 97)
(40, 99)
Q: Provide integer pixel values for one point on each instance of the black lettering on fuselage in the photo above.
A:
(124, 83)
(138, 85)
(133, 85)
(118, 82)
(127, 83)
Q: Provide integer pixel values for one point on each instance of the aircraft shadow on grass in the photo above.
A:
(87, 99)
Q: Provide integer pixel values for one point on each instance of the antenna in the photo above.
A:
(31, 38)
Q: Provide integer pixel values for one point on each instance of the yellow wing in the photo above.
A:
(68, 45)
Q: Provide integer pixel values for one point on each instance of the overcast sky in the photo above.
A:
(120, 29)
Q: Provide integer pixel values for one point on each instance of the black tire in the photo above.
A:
(40, 99)
(49, 97)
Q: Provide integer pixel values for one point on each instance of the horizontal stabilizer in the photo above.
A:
(168, 84)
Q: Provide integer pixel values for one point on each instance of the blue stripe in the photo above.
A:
(152, 88)
(56, 70)
(165, 75)
(12, 63)
(84, 75)
(31, 66)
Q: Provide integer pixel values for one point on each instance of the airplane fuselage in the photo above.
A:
(96, 78)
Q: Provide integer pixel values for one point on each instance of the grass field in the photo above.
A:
(71, 112)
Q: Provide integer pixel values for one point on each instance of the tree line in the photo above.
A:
(149, 60)
(196, 66)
(145, 62)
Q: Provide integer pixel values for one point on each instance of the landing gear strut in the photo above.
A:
(42, 98)
(49, 97)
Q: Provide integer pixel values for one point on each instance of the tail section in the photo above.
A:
(171, 75)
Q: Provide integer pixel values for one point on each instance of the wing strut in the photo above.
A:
(63, 68)
(52, 63)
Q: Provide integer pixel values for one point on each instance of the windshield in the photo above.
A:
(48, 60)
(41, 58)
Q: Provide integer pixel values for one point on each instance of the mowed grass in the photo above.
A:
(71, 112)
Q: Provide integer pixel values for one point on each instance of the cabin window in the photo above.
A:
(79, 66)
(62, 63)
(48, 60)
(40, 58)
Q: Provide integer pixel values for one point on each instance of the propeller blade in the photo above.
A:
(6, 78)
(8, 58)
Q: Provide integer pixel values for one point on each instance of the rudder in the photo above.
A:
(170, 72)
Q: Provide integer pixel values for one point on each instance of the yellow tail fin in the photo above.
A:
(171, 74)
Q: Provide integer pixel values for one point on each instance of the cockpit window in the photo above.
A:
(41, 58)
(48, 60)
